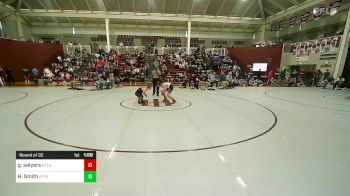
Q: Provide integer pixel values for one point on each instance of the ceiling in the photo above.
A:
(253, 9)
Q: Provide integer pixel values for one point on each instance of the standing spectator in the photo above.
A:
(1, 82)
(2, 76)
(10, 78)
(317, 77)
(282, 76)
(258, 74)
(270, 76)
(326, 77)
(100, 71)
(301, 77)
(26, 75)
(294, 75)
(249, 74)
(277, 74)
(287, 76)
(35, 73)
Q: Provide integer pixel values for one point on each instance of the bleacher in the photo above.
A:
(127, 40)
(147, 40)
(195, 42)
(99, 38)
(172, 42)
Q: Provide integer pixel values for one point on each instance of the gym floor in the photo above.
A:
(244, 141)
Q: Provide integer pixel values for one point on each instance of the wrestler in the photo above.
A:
(166, 89)
(140, 92)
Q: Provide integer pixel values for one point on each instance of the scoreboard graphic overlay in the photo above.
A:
(56, 166)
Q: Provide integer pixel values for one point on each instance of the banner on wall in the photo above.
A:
(323, 45)
(304, 17)
(319, 11)
(293, 20)
(334, 6)
(282, 24)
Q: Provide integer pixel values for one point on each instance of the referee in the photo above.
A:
(155, 80)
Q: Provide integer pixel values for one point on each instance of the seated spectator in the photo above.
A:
(224, 84)
(213, 80)
(99, 83)
(339, 83)
(229, 79)
(242, 82)
(132, 78)
(47, 74)
(255, 82)
(61, 77)
(194, 81)
(184, 82)
(67, 77)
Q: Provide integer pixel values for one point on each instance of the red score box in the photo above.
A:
(90, 165)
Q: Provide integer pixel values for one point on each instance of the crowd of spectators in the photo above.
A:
(101, 69)
(302, 78)
(202, 71)
(199, 70)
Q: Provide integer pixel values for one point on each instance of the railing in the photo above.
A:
(163, 50)
(69, 49)
(167, 50)
(219, 51)
(123, 49)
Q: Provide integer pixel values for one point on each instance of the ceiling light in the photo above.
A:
(332, 12)
(241, 182)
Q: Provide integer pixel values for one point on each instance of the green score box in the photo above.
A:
(90, 176)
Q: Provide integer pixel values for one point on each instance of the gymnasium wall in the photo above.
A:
(313, 59)
(9, 27)
(18, 54)
(247, 56)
